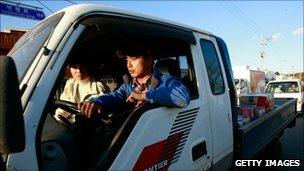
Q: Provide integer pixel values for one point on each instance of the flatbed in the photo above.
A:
(255, 135)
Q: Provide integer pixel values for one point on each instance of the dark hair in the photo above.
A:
(81, 57)
(75, 61)
(135, 50)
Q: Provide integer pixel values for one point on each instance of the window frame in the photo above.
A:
(223, 87)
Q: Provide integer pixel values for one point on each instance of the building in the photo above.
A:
(8, 38)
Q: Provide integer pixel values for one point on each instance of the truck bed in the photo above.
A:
(255, 135)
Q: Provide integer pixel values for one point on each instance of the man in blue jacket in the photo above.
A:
(148, 85)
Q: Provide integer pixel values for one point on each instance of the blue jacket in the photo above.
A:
(163, 90)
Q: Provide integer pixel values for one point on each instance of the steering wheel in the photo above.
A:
(67, 106)
(72, 108)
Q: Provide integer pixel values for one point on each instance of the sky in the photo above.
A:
(241, 24)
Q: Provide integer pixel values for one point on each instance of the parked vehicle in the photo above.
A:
(289, 88)
(204, 135)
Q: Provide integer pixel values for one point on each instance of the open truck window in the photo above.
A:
(79, 146)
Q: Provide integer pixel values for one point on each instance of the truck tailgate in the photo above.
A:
(255, 135)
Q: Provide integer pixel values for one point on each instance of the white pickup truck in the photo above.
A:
(288, 88)
(202, 136)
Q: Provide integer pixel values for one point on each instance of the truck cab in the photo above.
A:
(149, 137)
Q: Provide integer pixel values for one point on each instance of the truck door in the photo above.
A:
(218, 97)
(172, 138)
(39, 87)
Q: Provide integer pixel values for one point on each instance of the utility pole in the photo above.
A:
(263, 43)
(261, 52)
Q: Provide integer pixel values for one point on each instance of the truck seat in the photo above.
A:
(169, 66)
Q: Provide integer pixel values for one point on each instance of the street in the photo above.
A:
(289, 147)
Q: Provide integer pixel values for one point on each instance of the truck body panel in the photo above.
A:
(219, 102)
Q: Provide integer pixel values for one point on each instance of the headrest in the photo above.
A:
(168, 66)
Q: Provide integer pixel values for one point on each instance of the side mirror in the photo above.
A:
(12, 136)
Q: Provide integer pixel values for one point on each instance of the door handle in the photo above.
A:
(199, 150)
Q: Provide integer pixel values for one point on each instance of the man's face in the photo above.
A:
(79, 72)
(138, 66)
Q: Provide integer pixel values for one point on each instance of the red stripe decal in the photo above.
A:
(158, 156)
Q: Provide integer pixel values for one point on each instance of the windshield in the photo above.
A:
(28, 46)
(283, 87)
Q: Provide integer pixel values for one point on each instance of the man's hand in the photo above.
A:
(138, 98)
(135, 97)
(88, 108)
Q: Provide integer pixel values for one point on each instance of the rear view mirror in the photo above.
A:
(12, 136)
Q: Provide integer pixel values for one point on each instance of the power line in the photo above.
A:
(71, 2)
(245, 16)
(45, 6)
(252, 22)
(241, 16)
(237, 16)
(268, 38)
(232, 8)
